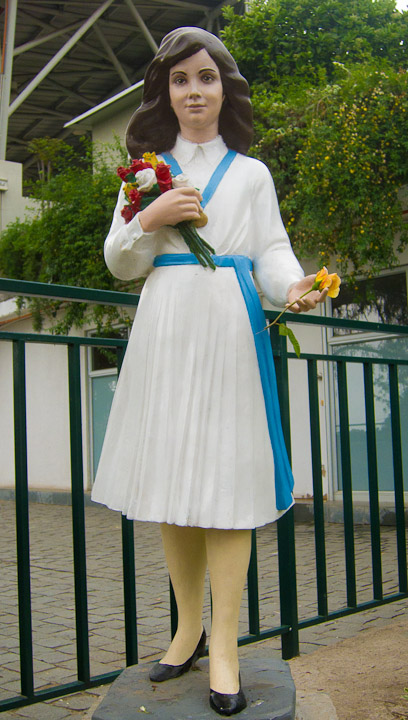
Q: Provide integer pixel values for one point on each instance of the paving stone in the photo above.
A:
(43, 711)
(79, 701)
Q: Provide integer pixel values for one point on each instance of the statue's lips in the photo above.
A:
(195, 107)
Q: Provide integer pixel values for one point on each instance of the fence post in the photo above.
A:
(22, 520)
(347, 485)
(78, 513)
(398, 477)
(253, 591)
(286, 524)
(318, 504)
(129, 574)
(373, 481)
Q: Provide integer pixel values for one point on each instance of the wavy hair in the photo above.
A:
(154, 125)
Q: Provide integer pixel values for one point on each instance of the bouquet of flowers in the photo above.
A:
(145, 180)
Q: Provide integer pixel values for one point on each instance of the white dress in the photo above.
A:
(187, 440)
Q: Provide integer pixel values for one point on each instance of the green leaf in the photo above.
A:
(284, 330)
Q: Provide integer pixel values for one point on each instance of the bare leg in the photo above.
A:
(228, 553)
(185, 552)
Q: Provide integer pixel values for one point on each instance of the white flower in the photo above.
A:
(181, 181)
(145, 179)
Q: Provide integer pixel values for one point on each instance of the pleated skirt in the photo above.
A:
(187, 440)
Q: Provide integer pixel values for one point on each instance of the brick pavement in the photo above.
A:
(53, 597)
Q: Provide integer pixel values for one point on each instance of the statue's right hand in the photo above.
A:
(171, 208)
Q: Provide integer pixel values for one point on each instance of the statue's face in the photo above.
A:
(196, 96)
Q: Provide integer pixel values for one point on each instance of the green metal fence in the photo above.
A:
(289, 624)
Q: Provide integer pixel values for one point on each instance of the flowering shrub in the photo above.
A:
(344, 203)
(329, 92)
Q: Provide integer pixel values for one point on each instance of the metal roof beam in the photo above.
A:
(111, 55)
(45, 38)
(35, 20)
(12, 140)
(58, 56)
(30, 108)
(68, 91)
(5, 76)
(72, 62)
(106, 24)
(184, 5)
(145, 30)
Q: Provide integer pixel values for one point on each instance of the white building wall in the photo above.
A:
(12, 203)
(105, 134)
(48, 432)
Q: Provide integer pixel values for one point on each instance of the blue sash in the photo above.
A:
(243, 267)
(215, 178)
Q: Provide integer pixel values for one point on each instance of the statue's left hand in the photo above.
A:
(310, 301)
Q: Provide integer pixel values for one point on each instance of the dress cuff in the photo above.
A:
(134, 232)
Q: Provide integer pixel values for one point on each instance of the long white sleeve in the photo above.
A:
(129, 252)
(276, 267)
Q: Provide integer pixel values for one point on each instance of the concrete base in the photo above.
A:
(267, 683)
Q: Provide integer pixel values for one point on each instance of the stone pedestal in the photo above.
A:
(267, 683)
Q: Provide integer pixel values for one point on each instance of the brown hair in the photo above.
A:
(154, 125)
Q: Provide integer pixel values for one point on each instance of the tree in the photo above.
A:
(331, 110)
(279, 42)
(63, 244)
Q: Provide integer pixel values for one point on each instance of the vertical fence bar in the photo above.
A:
(373, 481)
(22, 520)
(286, 524)
(398, 477)
(253, 590)
(129, 575)
(78, 513)
(320, 544)
(129, 591)
(347, 487)
(173, 611)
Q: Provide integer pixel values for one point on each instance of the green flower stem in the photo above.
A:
(199, 247)
(275, 322)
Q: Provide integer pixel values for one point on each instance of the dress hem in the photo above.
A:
(279, 514)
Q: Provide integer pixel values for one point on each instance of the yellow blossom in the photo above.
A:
(151, 158)
(324, 280)
(334, 288)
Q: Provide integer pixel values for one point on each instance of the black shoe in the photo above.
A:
(161, 671)
(226, 704)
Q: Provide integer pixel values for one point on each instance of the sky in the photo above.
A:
(401, 4)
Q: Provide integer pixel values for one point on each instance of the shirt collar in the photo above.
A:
(184, 151)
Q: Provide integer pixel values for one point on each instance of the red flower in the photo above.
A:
(123, 172)
(127, 213)
(139, 165)
(164, 179)
(135, 198)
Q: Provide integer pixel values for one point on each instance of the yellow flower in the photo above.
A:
(334, 287)
(320, 279)
(151, 158)
(325, 280)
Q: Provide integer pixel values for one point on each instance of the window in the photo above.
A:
(102, 363)
(381, 299)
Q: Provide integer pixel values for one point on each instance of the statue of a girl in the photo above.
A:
(194, 440)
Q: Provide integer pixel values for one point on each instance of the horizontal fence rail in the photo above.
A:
(290, 625)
